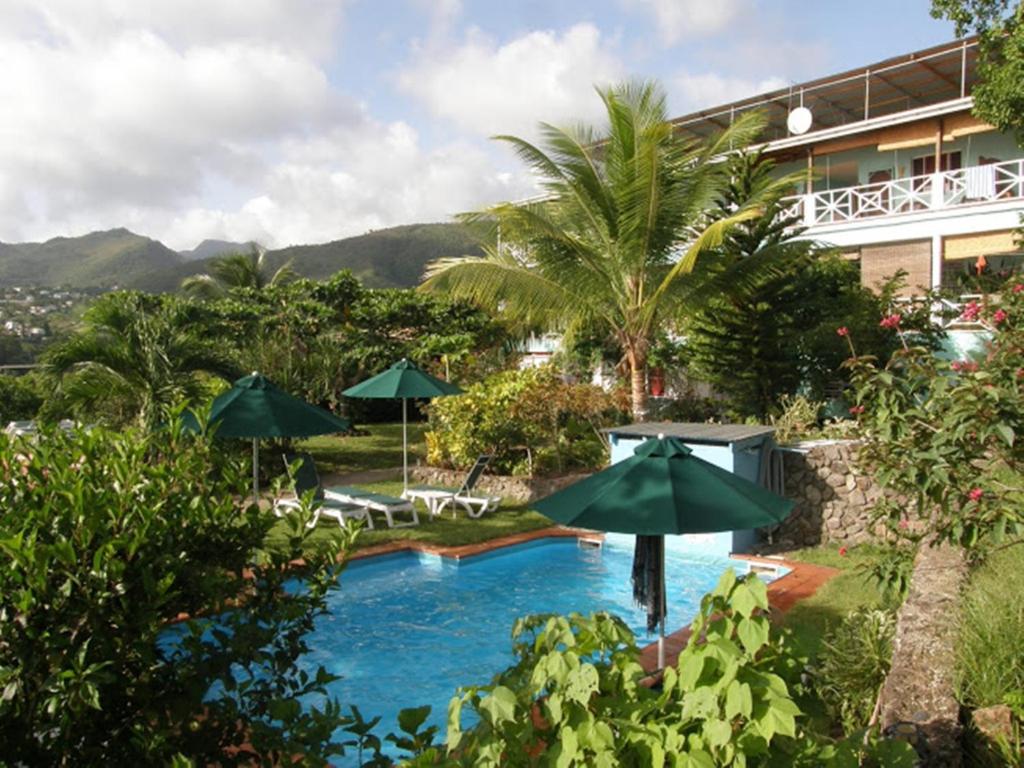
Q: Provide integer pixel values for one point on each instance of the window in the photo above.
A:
(922, 166)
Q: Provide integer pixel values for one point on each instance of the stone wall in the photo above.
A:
(833, 497)
(506, 486)
(918, 703)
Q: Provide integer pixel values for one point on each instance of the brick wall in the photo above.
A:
(878, 262)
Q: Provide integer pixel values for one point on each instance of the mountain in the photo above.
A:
(99, 259)
(209, 249)
(385, 258)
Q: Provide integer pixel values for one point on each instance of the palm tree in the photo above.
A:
(135, 357)
(616, 236)
(238, 270)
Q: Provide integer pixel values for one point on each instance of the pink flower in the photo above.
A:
(857, 410)
(904, 524)
(956, 365)
(971, 311)
(975, 494)
(966, 366)
(842, 551)
(1018, 288)
(843, 331)
(892, 321)
(999, 316)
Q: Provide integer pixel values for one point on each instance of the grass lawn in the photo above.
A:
(990, 652)
(511, 517)
(381, 449)
(810, 618)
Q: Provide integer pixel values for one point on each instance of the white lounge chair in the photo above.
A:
(436, 498)
(306, 478)
(375, 502)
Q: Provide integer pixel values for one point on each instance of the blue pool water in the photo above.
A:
(407, 630)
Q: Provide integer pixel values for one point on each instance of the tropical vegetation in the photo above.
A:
(531, 422)
(108, 538)
(238, 270)
(614, 239)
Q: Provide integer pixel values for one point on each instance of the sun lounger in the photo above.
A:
(305, 479)
(437, 498)
(376, 502)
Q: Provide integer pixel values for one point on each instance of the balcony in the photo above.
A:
(996, 182)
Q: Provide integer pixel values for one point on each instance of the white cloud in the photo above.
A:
(690, 92)
(679, 19)
(486, 88)
(192, 119)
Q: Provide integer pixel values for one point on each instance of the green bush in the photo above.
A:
(531, 422)
(852, 665)
(107, 537)
(20, 398)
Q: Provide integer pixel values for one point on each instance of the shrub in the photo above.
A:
(852, 666)
(105, 538)
(20, 398)
(531, 422)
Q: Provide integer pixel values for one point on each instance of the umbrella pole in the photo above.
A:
(661, 607)
(405, 447)
(256, 471)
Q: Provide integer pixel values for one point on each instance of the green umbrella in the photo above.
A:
(403, 380)
(663, 489)
(255, 408)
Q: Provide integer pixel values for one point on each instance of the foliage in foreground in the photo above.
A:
(107, 537)
(575, 697)
(530, 420)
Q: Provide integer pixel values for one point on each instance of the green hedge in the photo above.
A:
(531, 421)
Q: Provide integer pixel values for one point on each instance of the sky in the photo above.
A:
(304, 121)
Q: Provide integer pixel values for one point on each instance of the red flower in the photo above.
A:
(975, 494)
(999, 316)
(1018, 288)
(842, 551)
(892, 321)
(857, 409)
(967, 366)
(843, 331)
(956, 365)
(971, 311)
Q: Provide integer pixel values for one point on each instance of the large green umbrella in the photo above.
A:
(663, 489)
(255, 408)
(403, 380)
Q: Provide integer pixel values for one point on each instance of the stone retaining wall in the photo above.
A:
(918, 702)
(506, 486)
(833, 497)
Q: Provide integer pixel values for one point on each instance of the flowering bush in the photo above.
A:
(530, 421)
(946, 435)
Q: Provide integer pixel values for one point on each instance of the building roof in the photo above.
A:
(923, 78)
(710, 434)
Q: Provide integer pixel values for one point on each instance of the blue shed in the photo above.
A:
(739, 448)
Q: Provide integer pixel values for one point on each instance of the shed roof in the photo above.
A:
(713, 434)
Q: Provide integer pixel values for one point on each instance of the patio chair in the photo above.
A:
(375, 502)
(305, 479)
(436, 498)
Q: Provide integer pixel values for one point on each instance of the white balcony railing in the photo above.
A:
(914, 194)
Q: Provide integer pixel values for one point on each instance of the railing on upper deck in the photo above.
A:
(936, 191)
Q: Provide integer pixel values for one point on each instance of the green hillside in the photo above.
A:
(385, 258)
(393, 257)
(99, 259)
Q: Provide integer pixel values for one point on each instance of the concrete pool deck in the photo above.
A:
(802, 580)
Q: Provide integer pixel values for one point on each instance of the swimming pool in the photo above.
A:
(408, 629)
